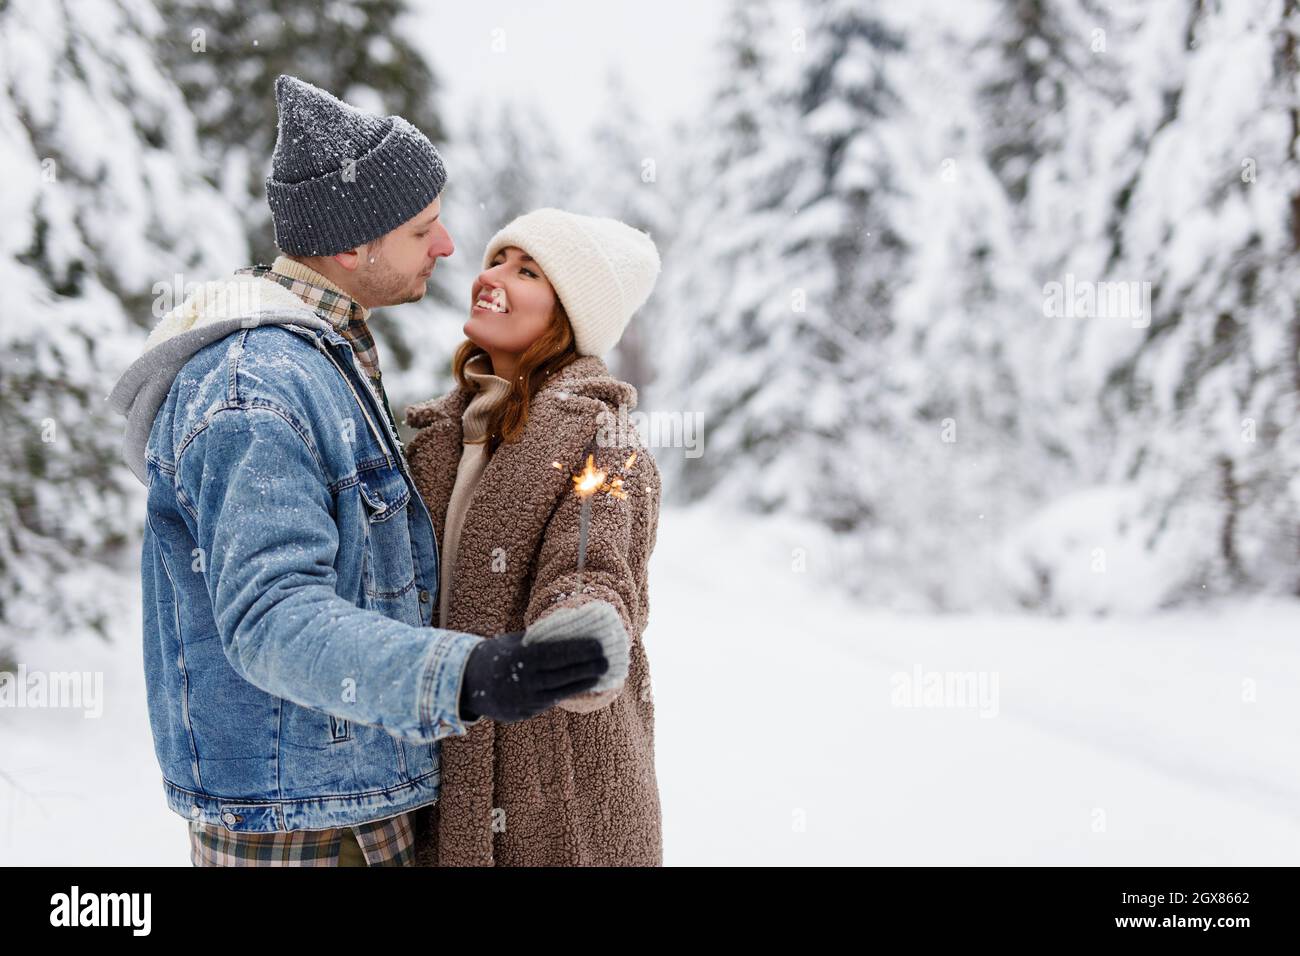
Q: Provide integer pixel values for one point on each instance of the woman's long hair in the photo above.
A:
(553, 350)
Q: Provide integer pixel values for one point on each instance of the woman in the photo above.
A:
(494, 461)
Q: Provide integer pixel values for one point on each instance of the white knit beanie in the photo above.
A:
(603, 270)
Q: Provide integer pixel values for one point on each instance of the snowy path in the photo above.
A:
(775, 710)
(1123, 742)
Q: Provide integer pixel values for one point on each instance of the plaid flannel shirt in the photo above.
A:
(334, 306)
(382, 842)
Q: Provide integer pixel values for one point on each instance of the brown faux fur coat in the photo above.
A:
(575, 785)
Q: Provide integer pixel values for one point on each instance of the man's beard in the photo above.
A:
(384, 286)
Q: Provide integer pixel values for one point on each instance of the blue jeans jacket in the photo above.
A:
(290, 579)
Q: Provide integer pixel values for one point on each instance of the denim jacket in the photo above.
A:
(290, 573)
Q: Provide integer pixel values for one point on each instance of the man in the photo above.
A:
(297, 690)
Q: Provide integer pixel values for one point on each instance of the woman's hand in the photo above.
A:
(600, 620)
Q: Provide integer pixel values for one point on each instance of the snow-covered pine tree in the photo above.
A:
(1047, 76)
(964, 331)
(792, 265)
(827, 406)
(1206, 400)
(1153, 149)
(629, 180)
(1055, 85)
(104, 199)
(721, 271)
(1033, 60)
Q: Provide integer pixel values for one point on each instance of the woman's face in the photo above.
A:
(511, 305)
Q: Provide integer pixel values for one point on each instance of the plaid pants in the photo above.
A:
(379, 843)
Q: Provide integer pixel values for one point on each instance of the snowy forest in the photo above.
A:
(1002, 301)
(978, 311)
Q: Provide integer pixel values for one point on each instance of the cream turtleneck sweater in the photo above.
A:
(491, 391)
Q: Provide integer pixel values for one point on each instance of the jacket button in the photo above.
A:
(228, 817)
(424, 597)
(195, 812)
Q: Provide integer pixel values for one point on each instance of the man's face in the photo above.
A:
(395, 268)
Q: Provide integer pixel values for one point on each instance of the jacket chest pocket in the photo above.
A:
(388, 564)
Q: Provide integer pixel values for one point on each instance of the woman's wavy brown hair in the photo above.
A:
(553, 350)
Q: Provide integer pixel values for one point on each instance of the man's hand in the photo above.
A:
(507, 681)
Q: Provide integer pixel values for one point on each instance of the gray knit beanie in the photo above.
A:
(341, 177)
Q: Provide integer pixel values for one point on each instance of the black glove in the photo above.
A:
(506, 680)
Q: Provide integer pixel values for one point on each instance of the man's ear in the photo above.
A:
(348, 260)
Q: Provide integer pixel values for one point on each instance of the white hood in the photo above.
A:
(224, 299)
(213, 311)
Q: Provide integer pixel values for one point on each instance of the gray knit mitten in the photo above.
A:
(597, 619)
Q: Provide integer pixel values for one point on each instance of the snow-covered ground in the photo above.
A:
(1168, 739)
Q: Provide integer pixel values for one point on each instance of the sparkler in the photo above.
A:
(586, 484)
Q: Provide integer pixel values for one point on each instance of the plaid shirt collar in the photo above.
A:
(329, 302)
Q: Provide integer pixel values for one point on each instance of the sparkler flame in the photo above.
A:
(590, 480)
